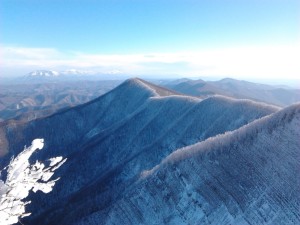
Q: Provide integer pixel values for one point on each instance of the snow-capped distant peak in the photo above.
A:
(71, 71)
(43, 73)
(75, 72)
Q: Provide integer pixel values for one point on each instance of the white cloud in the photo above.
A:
(17, 56)
(243, 62)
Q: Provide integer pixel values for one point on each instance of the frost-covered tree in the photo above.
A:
(23, 177)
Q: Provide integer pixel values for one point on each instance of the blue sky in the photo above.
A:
(149, 36)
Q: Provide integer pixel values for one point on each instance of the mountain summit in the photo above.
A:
(43, 73)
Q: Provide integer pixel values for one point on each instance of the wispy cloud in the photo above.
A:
(16, 56)
(242, 62)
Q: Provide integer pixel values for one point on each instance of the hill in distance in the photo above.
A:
(276, 95)
(28, 101)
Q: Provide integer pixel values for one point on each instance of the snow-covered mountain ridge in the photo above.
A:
(111, 141)
(247, 176)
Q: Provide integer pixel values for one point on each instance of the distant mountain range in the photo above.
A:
(276, 95)
(46, 92)
(143, 154)
(43, 73)
(52, 73)
(71, 73)
(27, 101)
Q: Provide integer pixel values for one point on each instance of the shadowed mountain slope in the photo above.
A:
(69, 126)
(111, 140)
